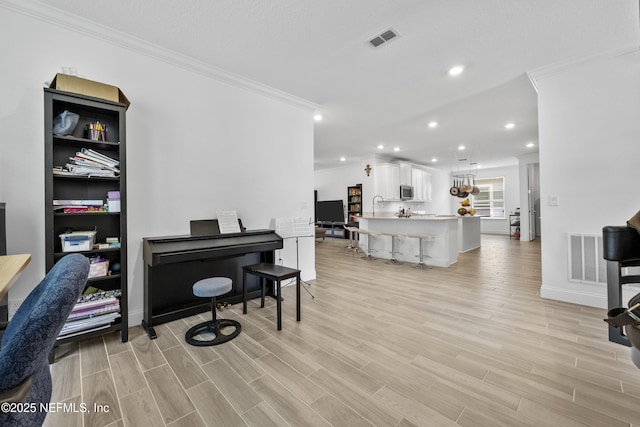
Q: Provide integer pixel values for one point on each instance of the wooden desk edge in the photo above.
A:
(11, 266)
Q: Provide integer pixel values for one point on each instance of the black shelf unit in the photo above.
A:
(514, 226)
(58, 150)
(354, 202)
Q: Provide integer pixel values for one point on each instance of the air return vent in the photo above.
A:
(383, 37)
(586, 264)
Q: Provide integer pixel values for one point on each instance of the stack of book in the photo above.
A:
(92, 312)
(89, 162)
(78, 206)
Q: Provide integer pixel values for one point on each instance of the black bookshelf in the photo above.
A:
(58, 150)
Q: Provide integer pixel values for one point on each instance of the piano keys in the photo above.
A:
(173, 264)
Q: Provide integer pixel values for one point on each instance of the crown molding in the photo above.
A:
(551, 70)
(49, 14)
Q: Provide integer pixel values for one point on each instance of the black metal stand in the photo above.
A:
(305, 285)
(214, 326)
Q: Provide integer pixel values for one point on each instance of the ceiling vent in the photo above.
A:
(383, 37)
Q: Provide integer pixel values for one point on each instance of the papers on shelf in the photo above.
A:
(89, 162)
(228, 222)
(293, 227)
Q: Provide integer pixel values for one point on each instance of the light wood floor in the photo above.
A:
(383, 345)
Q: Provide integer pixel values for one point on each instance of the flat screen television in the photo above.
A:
(330, 211)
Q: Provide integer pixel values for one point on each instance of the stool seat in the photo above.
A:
(212, 287)
(420, 236)
(274, 273)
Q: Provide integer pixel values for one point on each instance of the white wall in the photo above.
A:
(197, 142)
(331, 184)
(589, 149)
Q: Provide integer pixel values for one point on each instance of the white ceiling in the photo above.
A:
(318, 50)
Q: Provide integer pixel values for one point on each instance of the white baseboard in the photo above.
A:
(583, 298)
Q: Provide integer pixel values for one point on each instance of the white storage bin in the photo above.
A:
(78, 241)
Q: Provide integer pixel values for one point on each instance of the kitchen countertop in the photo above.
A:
(419, 217)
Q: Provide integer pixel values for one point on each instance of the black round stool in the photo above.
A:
(211, 288)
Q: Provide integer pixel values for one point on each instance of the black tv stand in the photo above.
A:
(334, 229)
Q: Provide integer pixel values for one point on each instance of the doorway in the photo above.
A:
(533, 192)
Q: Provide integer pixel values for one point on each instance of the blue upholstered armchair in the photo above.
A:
(31, 335)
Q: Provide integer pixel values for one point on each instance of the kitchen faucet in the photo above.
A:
(373, 205)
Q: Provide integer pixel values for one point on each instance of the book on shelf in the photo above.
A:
(92, 202)
(78, 206)
(83, 325)
(86, 313)
(93, 311)
(83, 331)
(99, 303)
(82, 209)
(97, 299)
(98, 157)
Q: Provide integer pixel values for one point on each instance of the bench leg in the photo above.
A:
(244, 292)
(279, 306)
(298, 297)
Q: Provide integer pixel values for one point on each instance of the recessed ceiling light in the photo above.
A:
(433, 124)
(342, 159)
(396, 148)
(317, 117)
(531, 144)
(455, 70)
(461, 147)
(380, 147)
(434, 160)
(509, 125)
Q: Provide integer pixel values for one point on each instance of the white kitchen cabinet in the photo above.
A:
(387, 181)
(421, 182)
(405, 173)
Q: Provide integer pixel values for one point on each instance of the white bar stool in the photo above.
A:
(393, 251)
(370, 234)
(355, 247)
(211, 288)
(421, 238)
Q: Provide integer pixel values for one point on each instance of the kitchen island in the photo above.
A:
(468, 233)
(448, 232)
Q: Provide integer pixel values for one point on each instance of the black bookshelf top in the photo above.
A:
(82, 97)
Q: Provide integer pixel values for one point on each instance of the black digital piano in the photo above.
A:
(173, 264)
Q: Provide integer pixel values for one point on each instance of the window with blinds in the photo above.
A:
(490, 202)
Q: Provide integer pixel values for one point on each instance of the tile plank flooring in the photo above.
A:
(380, 345)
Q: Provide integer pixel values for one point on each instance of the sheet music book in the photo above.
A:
(228, 222)
(293, 227)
